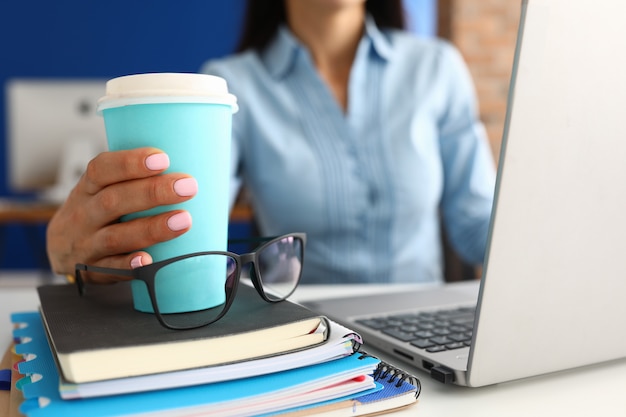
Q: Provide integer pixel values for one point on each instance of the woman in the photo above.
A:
(349, 129)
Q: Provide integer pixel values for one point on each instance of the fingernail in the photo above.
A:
(179, 221)
(157, 161)
(186, 187)
(136, 262)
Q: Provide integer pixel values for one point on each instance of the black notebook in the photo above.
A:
(100, 336)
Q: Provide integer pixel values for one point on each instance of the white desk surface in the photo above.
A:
(598, 390)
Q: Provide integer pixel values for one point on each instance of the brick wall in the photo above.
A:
(485, 31)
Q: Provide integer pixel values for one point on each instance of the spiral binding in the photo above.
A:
(385, 370)
(357, 342)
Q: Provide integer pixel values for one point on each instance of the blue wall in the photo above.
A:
(421, 16)
(86, 38)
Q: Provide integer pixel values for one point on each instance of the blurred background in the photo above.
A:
(77, 45)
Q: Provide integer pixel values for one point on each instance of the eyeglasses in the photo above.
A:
(275, 270)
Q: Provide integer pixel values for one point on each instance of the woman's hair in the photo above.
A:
(263, 17)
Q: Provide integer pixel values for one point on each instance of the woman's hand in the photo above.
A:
(86, 228)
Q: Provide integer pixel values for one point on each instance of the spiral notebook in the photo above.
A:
(341, 342)
(347, 380)
(398, 390)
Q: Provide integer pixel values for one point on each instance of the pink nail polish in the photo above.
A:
(157, 161)
(186, 187)
(136, 262)
(179, 221)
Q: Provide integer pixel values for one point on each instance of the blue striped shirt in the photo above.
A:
(368, 185)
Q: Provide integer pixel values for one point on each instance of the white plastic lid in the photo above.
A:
(166, 88)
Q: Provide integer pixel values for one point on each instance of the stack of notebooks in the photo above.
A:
(96, 356)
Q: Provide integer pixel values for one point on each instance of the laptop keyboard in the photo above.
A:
(433, 331)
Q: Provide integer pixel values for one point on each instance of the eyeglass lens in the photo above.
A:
(279, 267)
(278, 270)
(203, 303)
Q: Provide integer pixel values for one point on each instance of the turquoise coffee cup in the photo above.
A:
(188, 116)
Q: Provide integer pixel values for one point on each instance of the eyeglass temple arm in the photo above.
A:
(252, 239)
(113, 271)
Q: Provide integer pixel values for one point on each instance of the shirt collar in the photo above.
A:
(380, 42)
(280, 55)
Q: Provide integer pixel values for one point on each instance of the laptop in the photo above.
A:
(553, 291)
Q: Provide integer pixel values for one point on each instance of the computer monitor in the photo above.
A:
(53, 131)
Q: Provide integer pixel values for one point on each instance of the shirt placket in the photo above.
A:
(370, 140)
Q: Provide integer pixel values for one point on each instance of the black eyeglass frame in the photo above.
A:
(147, 274)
